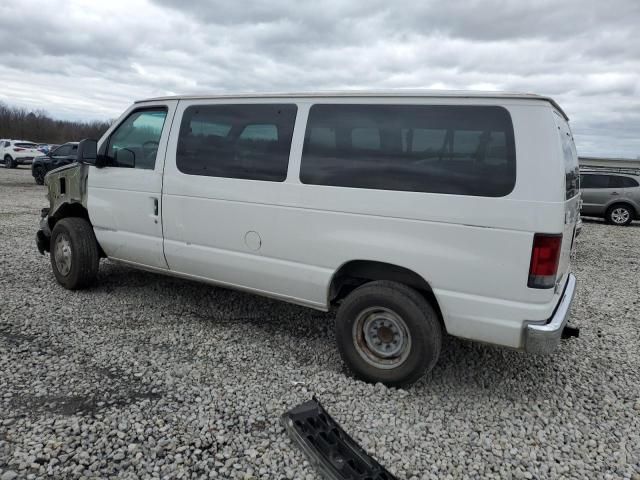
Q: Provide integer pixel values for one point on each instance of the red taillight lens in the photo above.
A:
(545, 257)
(18, 149)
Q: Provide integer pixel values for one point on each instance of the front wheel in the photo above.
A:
(387, 332)
(620, 215)
(39, 173)
(74, 253)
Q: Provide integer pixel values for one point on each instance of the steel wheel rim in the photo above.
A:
(381, 337)
(62, 254)
(620, 215)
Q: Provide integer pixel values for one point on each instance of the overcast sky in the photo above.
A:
(86, 59)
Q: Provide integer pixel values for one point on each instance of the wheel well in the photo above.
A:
(72, 209)
(355, 273)
(66, 210)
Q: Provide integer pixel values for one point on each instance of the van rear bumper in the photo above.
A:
(544, 338)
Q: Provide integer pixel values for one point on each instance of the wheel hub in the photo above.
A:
(620, 215)
(62, 254)
(381, 337)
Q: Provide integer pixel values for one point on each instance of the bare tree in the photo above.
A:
(37, 126)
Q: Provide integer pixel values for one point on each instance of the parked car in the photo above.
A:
(45, 148)
(17, 152)
(610, 195)
(413, 213)
(63, 155)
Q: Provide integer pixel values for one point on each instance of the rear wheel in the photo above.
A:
(387, 332)
(620, 214)
(74, 253)
(39, 173)
(8, 162)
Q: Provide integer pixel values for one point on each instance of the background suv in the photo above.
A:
(17, 152)
(63, 155)
(611, 195)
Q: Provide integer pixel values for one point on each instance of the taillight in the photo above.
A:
(545, 256)
(18, 149)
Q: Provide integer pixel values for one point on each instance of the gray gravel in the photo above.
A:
(148, 376)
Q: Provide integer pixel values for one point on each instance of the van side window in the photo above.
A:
(250, 142)
(134, 143)
(365, 138)
(569, 156)
(463, 150)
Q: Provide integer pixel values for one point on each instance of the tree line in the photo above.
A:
(37, 126)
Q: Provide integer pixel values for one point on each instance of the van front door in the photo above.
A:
(124, 197)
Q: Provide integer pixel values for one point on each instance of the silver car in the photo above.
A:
(611, 195)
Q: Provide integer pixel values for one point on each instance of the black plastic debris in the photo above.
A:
(330, 450)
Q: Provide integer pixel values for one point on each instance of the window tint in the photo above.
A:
(135, 142)
(465, 150)
(64, 150)
(594, 181)
(266, 133)
(236, 141)
(365, 138)
(26, 145)
(616, 182)
(570, 157)
(629, 182)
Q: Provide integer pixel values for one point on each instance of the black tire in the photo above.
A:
(77, 235)
(8, 162)
(38, 174)
(386, 299)
(620, 214)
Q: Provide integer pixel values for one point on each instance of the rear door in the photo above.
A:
(124, 197)
(597, 192)
(572, 193)
(632, 192)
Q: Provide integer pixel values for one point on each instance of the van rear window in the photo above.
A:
(570, 157)
(463, 150)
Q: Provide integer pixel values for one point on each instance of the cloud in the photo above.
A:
(86, 59)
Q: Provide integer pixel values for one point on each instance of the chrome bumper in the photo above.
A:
(544, 338)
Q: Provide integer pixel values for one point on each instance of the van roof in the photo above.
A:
(370, 93)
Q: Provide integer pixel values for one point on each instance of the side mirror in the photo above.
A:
(87, 151)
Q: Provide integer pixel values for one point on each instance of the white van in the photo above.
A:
(415, 213)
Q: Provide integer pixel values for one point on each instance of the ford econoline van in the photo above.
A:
(414, 214)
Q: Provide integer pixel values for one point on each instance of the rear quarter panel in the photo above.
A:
(473, 251)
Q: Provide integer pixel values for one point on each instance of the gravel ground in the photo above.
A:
(149, 376)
